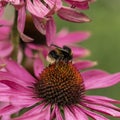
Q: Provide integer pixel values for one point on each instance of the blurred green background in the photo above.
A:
(105, 28)
(104, 42)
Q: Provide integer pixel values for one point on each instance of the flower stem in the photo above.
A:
(15, 37)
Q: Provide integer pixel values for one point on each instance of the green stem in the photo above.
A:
(15, 37)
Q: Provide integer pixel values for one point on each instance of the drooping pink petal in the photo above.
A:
(3, 87)
(28, 100)
(21, 19)
(19, 56)
(5, 29)
(71, 38)
(28, 52)
(58, 113)
(3, 104)
(38, 67)
(74, 114)
(18, 71)
(94, 115)
(103, 98)
(103, 109)
(79, 113)
(93, 74)
(21, 24)
(8, 110)
(72, 16)
(18, 4)
(83, 4)
(79, 51)
(1, 10)
(50, 31)
(84, 64)
(39, 24)
(10, 77)
(37, 8)
(96, 101)
(36, 113)
(13, 85)
(101, 82)
(5, 48)
(68, 114)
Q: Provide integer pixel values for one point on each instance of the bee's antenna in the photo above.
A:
(59, 47)
(54, 45)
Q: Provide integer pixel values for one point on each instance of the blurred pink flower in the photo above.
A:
(48, 96)
(42, 13)
(81, 4)
(5, 43)
(64, 37)
(70, 13)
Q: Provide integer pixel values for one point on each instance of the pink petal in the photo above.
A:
(93, 74)
(84, 64)
(68, 114)
(101, 82)
(103, 98)
(79, 51)
(5, 29)
(18, 4)
(37, 113)
(74, 114)
(1, 10)
(20, 56)
(28, 101)
(72, 16)
(25, 38)
(58, 113)
(37, 8)
(38, 67)
(3, 87)
(13, 85)
(3, 104)
(18, 71)
(103, 109)
(50, 31)
(94, 115)
(32, 47)
(5, 48)
(21, 19)
(21, 25)
(93, 100)
(79, 4)
(79, 114)
(28, 52)
(71, 38)
(8, 110)
(7, 76)
(40, 25)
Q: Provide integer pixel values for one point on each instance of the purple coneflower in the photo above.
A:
(42, 13)
(57, 92)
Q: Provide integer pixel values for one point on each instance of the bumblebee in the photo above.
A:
(60, 54)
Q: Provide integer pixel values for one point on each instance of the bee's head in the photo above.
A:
(59, 54)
